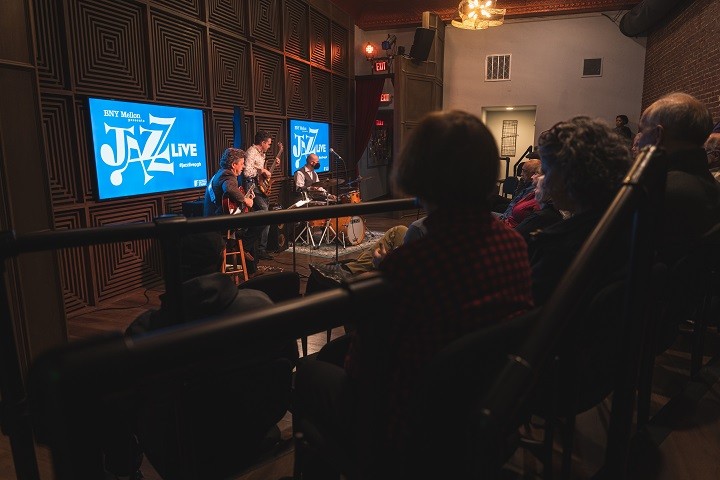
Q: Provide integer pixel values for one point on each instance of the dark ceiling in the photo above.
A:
(391, 14)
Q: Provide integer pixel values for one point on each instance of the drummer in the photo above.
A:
(307, 176)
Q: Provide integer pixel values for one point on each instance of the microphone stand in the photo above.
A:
(337, 196)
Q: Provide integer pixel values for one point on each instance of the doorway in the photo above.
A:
(514, 131)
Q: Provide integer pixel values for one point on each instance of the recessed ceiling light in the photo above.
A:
(509, 108)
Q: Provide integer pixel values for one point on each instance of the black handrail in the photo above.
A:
(639, 197)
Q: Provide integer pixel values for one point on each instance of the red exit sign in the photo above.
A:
(385, 97)
(380, 65)
(379, 123)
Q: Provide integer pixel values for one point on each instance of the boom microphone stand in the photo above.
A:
(337, 196)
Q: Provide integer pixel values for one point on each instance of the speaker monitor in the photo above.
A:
(422, 42)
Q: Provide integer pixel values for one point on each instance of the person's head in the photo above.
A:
(541, 194)
(677, 121)
(441, 140)
(621, 120)
(584, 163)
(635, 145)
(233, 159)
(712, 148)
(201, 254)
(263, 140)
(530, 167)
(313, 161)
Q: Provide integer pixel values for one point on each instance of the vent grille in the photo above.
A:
(592, 67)
(497, 68)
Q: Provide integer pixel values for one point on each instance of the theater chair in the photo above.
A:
(440, 440)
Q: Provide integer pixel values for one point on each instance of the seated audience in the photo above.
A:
(712, 149)
(680, 124)
(544, 216)
(584, 163)
(467, 272)
(525, 184)
(524, 207)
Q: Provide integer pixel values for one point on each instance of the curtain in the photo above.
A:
(367, 102)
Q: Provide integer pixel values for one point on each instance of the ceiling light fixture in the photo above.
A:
(479, 15)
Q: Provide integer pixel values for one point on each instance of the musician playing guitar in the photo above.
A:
(256, 174)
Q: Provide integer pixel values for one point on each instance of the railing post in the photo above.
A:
(14, 416)
(170, 238)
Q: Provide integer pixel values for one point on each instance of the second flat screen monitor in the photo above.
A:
(305, 138)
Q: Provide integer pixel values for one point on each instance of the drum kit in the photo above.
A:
(345, 230)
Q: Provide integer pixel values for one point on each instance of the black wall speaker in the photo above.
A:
(422, 42)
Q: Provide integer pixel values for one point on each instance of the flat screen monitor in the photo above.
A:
(309, 137)
(142, 148)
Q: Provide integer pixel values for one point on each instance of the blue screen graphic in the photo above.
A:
(306, 138)
(142, 148)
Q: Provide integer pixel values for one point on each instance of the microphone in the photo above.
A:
(337, 154)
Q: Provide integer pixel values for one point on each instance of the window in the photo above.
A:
(497, 68)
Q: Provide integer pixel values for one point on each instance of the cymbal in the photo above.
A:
(329, 182)
(359, 179)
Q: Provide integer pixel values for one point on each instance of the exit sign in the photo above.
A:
(380, 65)
(385, 97)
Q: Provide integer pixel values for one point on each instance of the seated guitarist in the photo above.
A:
(254, 173)
(225, 182)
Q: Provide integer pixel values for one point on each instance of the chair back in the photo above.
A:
(509, 186)
(279, 286)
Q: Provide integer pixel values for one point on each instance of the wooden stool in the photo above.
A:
(233, 268)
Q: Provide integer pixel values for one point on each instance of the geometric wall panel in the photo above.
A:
(339, 62)
(51, 51)
(73, 265)
(179, 51)
(230, 71)
(340, 100)
(296, 29)
(84, 145)
(298, 89)
(319, 39)
(229, 14)
(173, 203)
(125, 266)
(58, 127)
(276, 128)
(320, 94)
(222, 131)
(265, 22)
(340, 140)
(190, 7)
(269, 78)
(109, 55)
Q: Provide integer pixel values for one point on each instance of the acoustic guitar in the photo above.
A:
(265, 183)
(231, 208)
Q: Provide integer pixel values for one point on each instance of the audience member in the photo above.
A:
(524, 207)
(635, 149)
(525, 185)
(467, 272)
(712, 149)
(584, 163)
(621, 127)
(544, 216)
(680, 124)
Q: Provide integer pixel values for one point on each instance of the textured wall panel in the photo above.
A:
(339, 49)
(229, 14)
(265, 22)
(84, 146)
(320, 95)
(59, 130)
(230, 71)
(319, 39)
(268, 75)
(340, 100)
(340, 141)
(298, 89)
(173, 203)
(276, 129)
(179, 67)
(108, 45)
(222, 134)
(51, 54)
(124, 267)
(188, 7)
(296, 29)
(73, 265)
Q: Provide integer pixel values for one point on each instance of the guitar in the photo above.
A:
(231, 208)
(265, 183)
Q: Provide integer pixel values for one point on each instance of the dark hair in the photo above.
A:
(201, 254)
(444, 139)
(623, 118)
(261, 136)
(586, 160)
(231, 156)
(533, 155)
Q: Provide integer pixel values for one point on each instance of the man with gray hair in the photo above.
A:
(680, 124)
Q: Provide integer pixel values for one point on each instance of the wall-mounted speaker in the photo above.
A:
(422, 42)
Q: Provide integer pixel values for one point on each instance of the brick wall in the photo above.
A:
(683, 54)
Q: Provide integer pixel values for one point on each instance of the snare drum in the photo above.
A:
(352, 228)
(350, 197)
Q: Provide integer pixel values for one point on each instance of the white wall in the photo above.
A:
(546, 69)
(525, 132)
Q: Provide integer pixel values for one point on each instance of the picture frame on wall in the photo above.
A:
(379, 152)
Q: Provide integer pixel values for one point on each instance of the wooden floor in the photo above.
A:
(683, 440)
